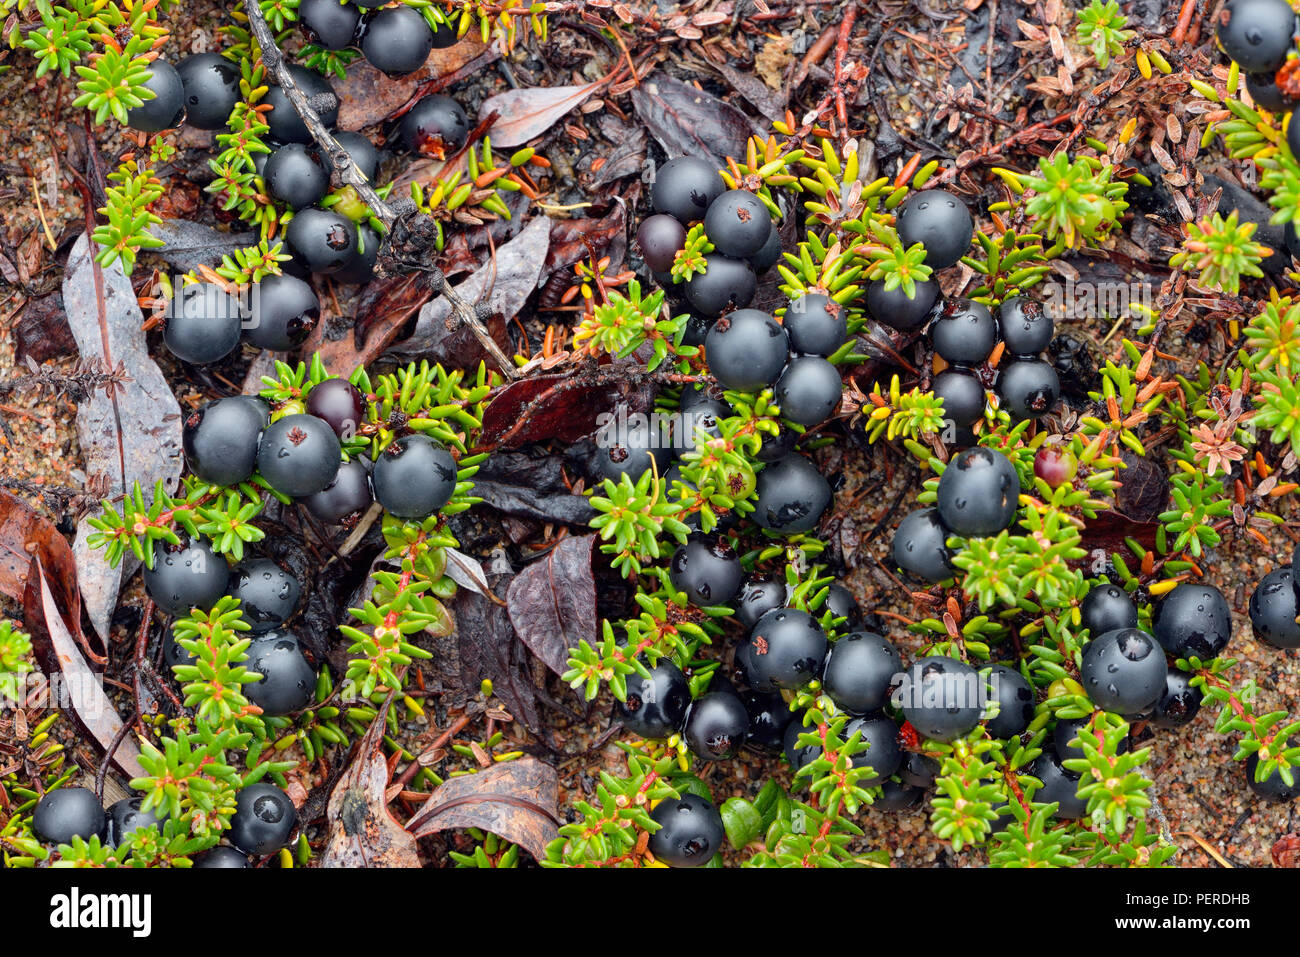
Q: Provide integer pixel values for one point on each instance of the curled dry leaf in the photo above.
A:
(362, 832)
(552, 602)
(515, 800)
(690, 122)
(133, 435)
(25, 534)
(525, 113)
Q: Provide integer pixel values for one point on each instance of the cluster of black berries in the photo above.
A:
(396, 40)
(978, 495)
(1259, 35)
(263, 821)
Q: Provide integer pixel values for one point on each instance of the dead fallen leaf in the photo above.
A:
(689, 122)
(552, 602)
(528, 112)
(515, 800)
(24, 534)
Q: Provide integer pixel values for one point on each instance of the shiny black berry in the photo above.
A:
(716, 726)
(1257, 34)
(221, 856)
(964, 331)
(286, 126)
(896, 309)
(211, 86)
(1273, 610)
(167, 108)
(185, 577)
(329, 24)
(942, 698)
(655, 707)
(918, 770)
(685, 187)
(284, 312)
(323, 239)
(757, 597)
(979, 492)
(708, 570)
(738, 224)
(882, 754)
(860, 671)
(1179, 704)
(726, 284)
(202, 323)
(940, 222)
(785, 649)
(346, 498)
(1066, 735)
(1015, 699)
(288, 681)
(1263, 89)
(268, 595)
(174, 653)
(791, 496)
(629, 447)
(263, 821)
(1026, 327)
(816, 325)
(746, 350)
(799, 757)
(445, 35)
(295, 175)
(841, 604)
(124, 818)
(66, 813)
(1193, 620)
(1124, 671)
(1059, 787)
(896, 797)
(690, 831)
(396, 40)
(697, 328)
(360, 150)
(360, 269)
(701, 416)
(414, 477)
(339, 403)
(808, 390)
(660, 238)
(1107, 607)
(770, 254)
(1028, 388)
(435, 126)
(299, 455)
(220, 438)
(1273, 788)
(962, 394)
(776, 447)
(769, 716)
(920, 546)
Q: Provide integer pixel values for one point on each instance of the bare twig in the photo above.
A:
(347, 171)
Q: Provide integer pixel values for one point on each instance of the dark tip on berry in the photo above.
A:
(337, 237)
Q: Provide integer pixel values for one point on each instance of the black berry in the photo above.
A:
(808, 390)
(882, 754)
(738, 224)
(202, 323)
(629, 448)
(339, 403)
(286, 126)
(1193, 620)
(860, 671)
(964, 332)
(707, 570)
(770, 254)
(799, 757)
(1263, 89)
(769, 716)
(920, 546)
(396, 40)
(1273, 788)
(1273, 610)
(211, 86)
(841, 604)
(284, 312)
(66, 813)
(660, 237)
(655, 707)
(918, 770)
(288, 681)
(816, 325)
(1257, 34)
(962, 394)
(726, 284)
(685, 187)
(1124, 671)
(1067, 733)
(791, 496)
(329, 24)
(746, 350)
(299, 455)
(414, 477)
(979, 492)
(344, 499)
(690, 831)
(435, 126)
(167, 108)
(360, 150)
(325, 240)
(185, 577)
(942, 698)
(220, 438)
(1015, 700)
(221, 856)
(1028, 388)
(360, 269)
(940, 222)
(1059, 787)
(896, 309)
(1026, 327)
(757, 597)
(785, 649)
(1180, 702)
(263, 821)
(716, 726)
(268, 595)
(895, 797)
(1107, 607)
(124, 818)
(295, 175)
